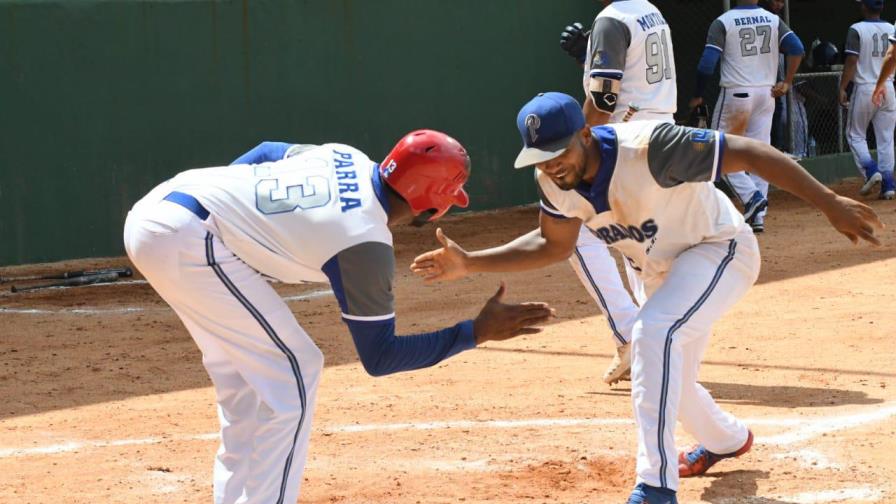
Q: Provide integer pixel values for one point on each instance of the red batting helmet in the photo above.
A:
(428, 169)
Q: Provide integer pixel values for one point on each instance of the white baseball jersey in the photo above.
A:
(653, 200)
(253, 208)
(630, 40)
(749, 38)
(653, 196)
(869, 41)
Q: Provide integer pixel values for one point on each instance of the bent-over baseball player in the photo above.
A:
(748, 39)
(645, 188)
(866, 45)
(207, 238)
(629, 73)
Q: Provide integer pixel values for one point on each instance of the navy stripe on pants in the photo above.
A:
(664, 390)
(266, 326)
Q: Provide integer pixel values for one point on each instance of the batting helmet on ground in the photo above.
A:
(428, 169)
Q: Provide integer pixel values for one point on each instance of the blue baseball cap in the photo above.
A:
(872, 4)
(547, 123)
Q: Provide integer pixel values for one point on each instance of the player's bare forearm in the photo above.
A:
(552, 242)
(793, 63)
(744, 154)
(849, 71)
(889, 65)
(528, 252)
(851, 218)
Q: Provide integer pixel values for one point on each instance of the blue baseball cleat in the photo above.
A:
(872, 178)
(644, 494)
(756, 204)
(887, 186)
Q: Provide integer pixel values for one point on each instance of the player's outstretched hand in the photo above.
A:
(853, 219)
(780, 89)
(499, 321)
(877, 98)
(446, 263)
(574, 40)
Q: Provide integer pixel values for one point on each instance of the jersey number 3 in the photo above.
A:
(659, 66)
(289, 191)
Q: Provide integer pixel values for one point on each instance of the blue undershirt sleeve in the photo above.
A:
(791, 45)
(706, 67)
(383, 353)
(263, 153)
(361, 277)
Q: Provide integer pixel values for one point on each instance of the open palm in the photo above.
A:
(446, 263)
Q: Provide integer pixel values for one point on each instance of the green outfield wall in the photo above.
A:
(101, 100)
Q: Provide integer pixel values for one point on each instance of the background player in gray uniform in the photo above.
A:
(628, 60)
(646, 188)
(206, 239)
(866, 46)
(748, 39)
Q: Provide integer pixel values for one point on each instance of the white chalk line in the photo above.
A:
(135, 309)
(804, 430)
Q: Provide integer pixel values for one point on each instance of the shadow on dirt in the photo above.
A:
(784, 396)
(738, 487)
(607, 356)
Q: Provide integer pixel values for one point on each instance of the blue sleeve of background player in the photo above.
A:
(791, 45)
(361, 277)
(706, 67)
(263, 153)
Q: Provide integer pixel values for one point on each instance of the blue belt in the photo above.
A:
(188, 202)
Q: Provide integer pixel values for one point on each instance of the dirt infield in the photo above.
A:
(106, 400)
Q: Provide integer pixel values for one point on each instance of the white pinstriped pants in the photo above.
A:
(597, 271)
(263, 365)
(746, 111)
(669, 336)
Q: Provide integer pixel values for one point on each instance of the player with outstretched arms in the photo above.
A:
(748, 39)
(629, 73)
(207, 238)
(866, 46)
(646, 189)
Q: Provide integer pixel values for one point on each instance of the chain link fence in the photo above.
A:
(812, 122)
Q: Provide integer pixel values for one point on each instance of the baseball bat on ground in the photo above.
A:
(121, 272)
(106, 277)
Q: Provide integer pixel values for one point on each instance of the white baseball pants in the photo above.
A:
(669, 337)
(863, 112)
(264, 367)
(597, 271)
(746, 111)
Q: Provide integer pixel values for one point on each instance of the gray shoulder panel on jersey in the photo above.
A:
(783, 30)
(610, 39)
(678, 154)
(367, 270)
(853, 41)
(716, 35)
(297, 149)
